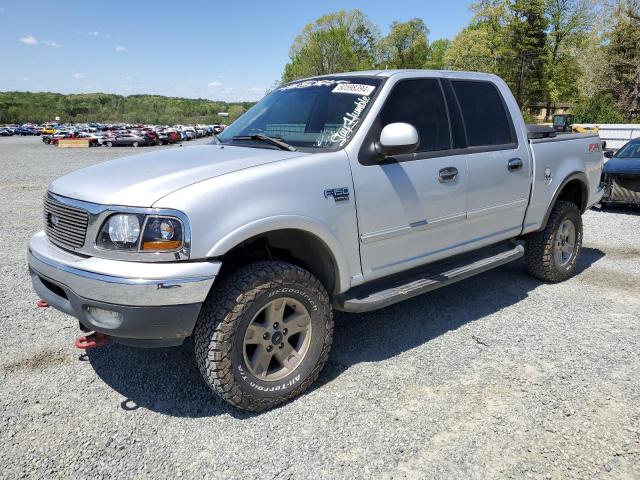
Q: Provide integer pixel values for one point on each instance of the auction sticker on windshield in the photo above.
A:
(354, 88)
(312, 83)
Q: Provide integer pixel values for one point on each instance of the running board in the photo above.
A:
(380, 294)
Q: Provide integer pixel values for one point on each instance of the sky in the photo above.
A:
(231, 51)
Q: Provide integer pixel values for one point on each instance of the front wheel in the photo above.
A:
(264, 335)
(552, 253)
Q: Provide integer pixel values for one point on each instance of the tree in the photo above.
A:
(19, 107)
(406, 46)
(600, 108)
(437, 53)
(470, 50)
(335, 42)
(569, 26)
(482, 46)
(527, 40)
(622, 56)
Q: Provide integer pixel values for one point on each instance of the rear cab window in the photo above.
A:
(487, 121)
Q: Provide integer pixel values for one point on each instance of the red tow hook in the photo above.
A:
(94, 339)
(42, 304)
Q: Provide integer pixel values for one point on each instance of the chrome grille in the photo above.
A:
(65, 225)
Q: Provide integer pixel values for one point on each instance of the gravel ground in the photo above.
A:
(500, 376)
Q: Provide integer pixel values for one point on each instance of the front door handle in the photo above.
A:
(514, 164)
(447, 175)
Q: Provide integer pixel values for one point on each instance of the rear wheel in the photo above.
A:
(109, 144)
(264, 335)
(135, 144)
(553, 252)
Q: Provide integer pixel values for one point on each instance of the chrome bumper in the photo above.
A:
(146, 304)
(119, 282)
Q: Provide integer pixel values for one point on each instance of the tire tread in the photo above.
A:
(539, 245)
(223, 310)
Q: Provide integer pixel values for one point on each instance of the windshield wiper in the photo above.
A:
(280, 143)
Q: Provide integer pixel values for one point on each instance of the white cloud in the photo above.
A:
(120, 48)
(51, 43)
(94, 34)
(259, 90)
(78, 76)
(25, 79)
(29, 40)
(214, 84)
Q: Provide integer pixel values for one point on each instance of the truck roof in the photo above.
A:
(390, 73)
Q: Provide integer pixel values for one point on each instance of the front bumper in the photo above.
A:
(157, 303)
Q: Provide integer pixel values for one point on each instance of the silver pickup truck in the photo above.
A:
(348, 192)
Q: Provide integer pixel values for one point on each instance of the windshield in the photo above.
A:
(559, 120)
(630, 150)
(317, 115)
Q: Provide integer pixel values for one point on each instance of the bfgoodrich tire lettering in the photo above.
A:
(540, 246)
(231, 308)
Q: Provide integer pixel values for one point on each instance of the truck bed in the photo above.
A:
(556, 161)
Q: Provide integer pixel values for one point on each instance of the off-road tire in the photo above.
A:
(539, 246)
(223, 320)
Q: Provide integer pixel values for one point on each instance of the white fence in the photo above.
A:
(616, 135)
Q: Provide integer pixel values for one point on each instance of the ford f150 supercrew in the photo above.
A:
(350, 191)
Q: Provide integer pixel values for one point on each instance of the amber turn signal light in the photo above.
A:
(161, 245)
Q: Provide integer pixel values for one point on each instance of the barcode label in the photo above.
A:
(354, 88)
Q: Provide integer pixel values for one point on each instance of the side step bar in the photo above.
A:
(380, 294)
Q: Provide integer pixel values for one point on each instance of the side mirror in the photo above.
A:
(397, 139)
(608, 154)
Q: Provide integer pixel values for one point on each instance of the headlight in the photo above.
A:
(124, 229)
(157, 234)
(121, 232)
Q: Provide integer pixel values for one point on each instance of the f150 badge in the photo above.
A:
(339, 194)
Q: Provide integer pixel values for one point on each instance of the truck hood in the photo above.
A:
(629, 166)
(141, 180)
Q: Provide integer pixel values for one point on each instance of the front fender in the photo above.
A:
(284, 222)
(225, 211)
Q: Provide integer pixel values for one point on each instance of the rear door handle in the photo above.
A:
(514, 164)
(447, 175)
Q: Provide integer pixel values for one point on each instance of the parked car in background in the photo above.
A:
(48, 130)
(562, 122)
(24, 131)
(190, 133)
(126, 140)
(152, 137)
(174, 137)
(168, 137)
(59, 134)
(93, 140)
(6, 132)
(621, 175)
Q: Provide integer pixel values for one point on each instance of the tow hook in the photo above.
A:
(94, 339)
(42, 304)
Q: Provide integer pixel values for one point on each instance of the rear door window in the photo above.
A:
(485, 116)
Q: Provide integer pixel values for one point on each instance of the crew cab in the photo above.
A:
(350, 191)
